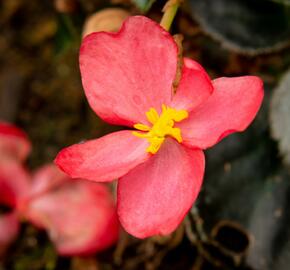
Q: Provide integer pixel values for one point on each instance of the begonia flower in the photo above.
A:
(14, 184)
(14, 143)
(9, 228)
(80, 217)
(14, 180)
(128, 80)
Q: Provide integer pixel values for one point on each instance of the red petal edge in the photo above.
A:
(103, 159)
(14, 142)
(124, 74)
(231, 108)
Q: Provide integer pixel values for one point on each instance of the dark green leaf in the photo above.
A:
(246, 26)
(284, 2)
(269, 224)
(280, 117)
(245, 183)
(68, 33)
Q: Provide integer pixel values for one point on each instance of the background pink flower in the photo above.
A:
(14, 180)
(79, 216)
(14, 143)
(128, 78)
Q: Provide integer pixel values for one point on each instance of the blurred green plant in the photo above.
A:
(284, 2)
(279, 117)
(143, 5)
(246, 26)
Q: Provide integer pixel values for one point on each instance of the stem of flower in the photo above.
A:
(169, 10)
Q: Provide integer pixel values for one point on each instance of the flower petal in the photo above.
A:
(194, 87)
(80, 216)
(9, 227)
(14, 183)
(13, 142)
(154, 197)
(127, 73)
(231, 108)
(103, 159)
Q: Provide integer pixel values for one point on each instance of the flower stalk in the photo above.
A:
(170, 10)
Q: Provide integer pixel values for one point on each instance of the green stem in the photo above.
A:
(71, 27)
(169, 10)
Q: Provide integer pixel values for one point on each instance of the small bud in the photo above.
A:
(65, 6)
(109, 20)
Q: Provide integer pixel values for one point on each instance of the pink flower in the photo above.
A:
(13, 186)
(80, 217)
(14, 143)
(14, 180)
(128, 78)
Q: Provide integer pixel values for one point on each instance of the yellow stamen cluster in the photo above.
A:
(162, 126)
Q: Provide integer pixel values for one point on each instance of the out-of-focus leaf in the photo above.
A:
(246, 26)
(269, 224)
(68, 32)
(246, 184)
(280, 117)
(244, 191)
(237, 183)
(284, 2)
(283, 259)
(144, 5)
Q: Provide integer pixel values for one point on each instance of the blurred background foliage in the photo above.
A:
(241, 220)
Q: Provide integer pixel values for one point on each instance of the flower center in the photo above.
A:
(162, 126)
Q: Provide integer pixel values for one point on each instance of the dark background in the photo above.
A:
(241, 219)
